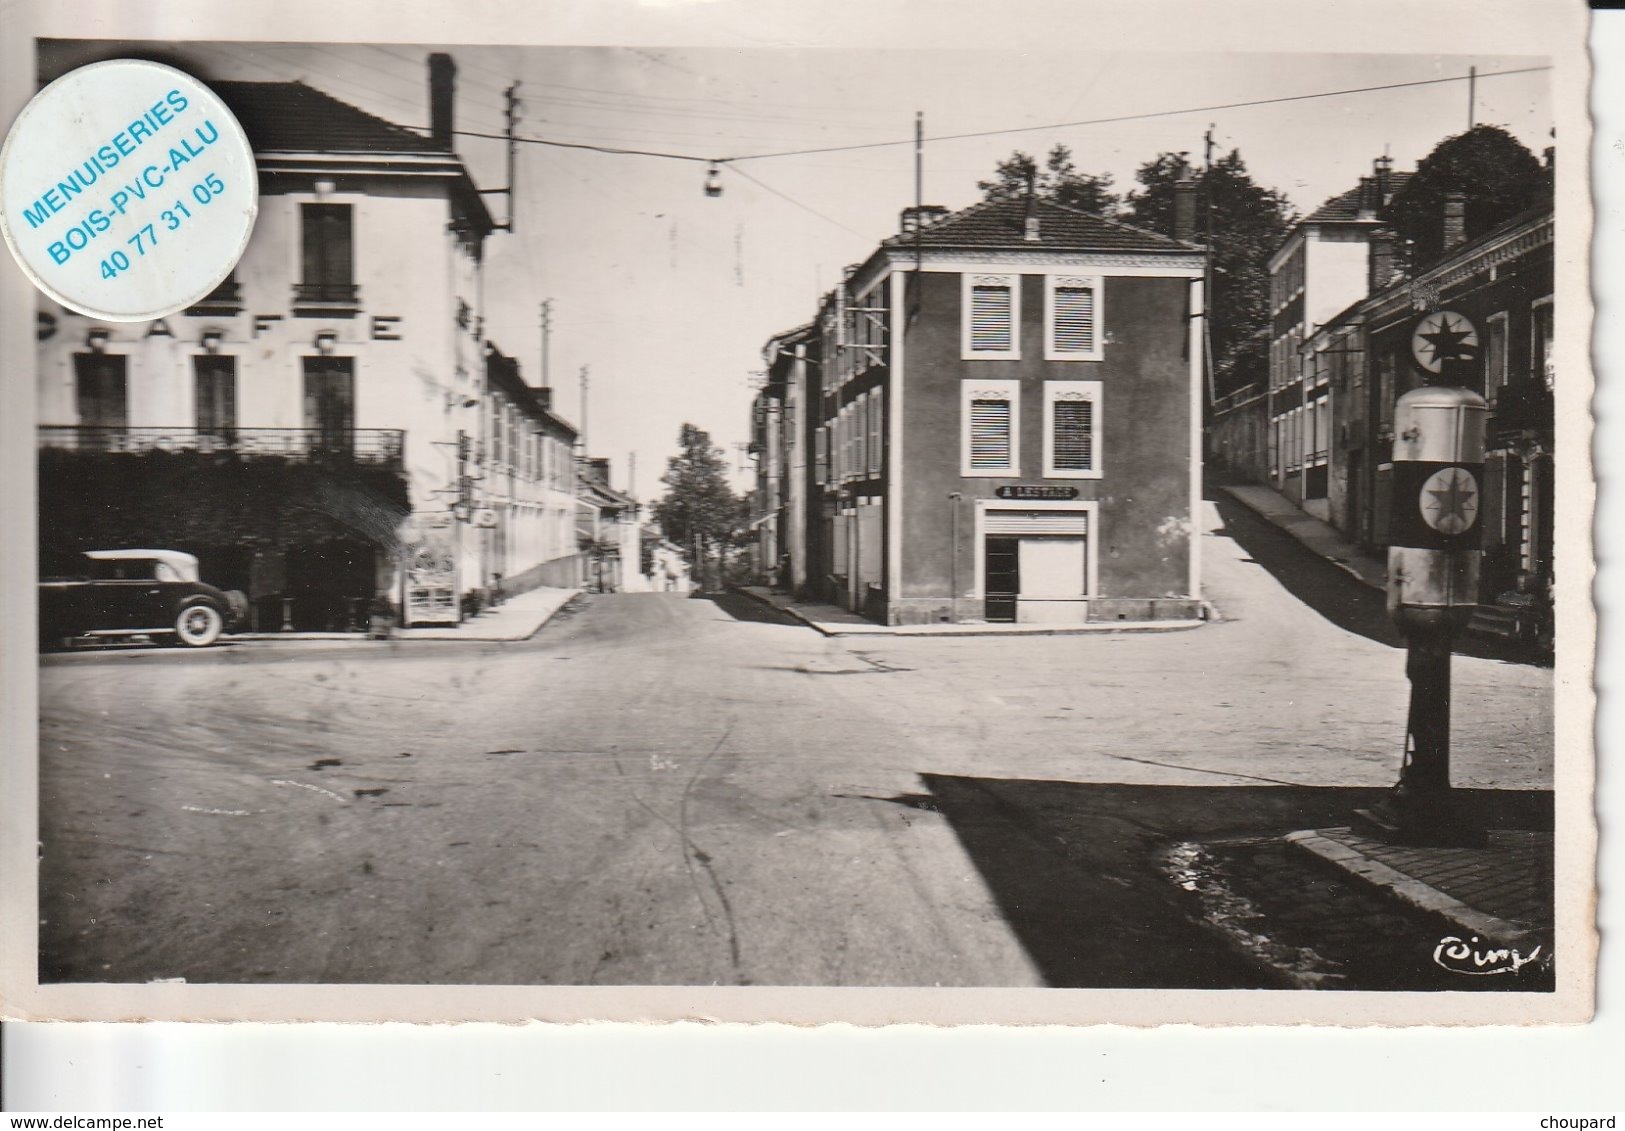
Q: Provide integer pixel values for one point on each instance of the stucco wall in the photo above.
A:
(1143, 535)
(417, 369)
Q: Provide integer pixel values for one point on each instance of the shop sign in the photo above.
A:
(1032, 491)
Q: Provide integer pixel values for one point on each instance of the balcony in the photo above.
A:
(330, 300)
(224, 301)
(377, 447)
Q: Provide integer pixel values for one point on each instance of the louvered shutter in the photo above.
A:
(875, 418)
(1074, 435)
(1074, 324)
(991, 318)
(990, 439)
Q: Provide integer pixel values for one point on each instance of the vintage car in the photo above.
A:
(112, 593)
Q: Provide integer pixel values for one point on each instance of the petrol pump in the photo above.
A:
(1435, 548)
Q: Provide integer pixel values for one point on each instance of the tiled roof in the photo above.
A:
(1002, 223)
(290, 117)
(1346, 206)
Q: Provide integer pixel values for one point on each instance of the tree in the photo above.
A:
(1490, 167)
(1058, 182)
(1243, 222)
(699, 509)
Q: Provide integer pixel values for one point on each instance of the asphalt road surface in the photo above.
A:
(668, 791)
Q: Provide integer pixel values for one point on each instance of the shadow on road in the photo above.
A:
(1345, 601)
(740, 607)
(1077, 870)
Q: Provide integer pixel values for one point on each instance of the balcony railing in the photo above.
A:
(226, 299)
(381, 446)
(314, 299)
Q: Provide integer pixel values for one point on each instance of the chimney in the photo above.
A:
(1455, 219)
(1383, 167)
(1029, 221)
(442, 81)
(921, 217)
(544, 398)
(1184, 207)
(598, 470)
(1380, 260)
(1370, 202)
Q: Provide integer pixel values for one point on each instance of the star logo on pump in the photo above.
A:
(1449, 500)
(1443, 336)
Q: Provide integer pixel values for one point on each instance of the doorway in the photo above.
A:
(1036, 565)
(1002, 585)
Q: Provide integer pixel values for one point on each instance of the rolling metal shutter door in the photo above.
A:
(1073, 523)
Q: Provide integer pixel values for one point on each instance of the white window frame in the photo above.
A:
(994, 389)
(969, 281)
(1068, 390)
(1052, 283)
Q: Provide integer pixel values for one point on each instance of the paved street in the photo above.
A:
(663, 790)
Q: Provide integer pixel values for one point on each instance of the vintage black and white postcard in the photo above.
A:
(1055, 523)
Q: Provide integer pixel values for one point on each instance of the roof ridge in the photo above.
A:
(318, 92)
(1116, 223)
(971, 222)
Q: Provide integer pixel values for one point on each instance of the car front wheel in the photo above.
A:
(199, 626)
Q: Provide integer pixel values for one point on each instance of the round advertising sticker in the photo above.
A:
(127, 190)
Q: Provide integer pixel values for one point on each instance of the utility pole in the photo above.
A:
(547, 339)
(1472, 96)
(511, 116)
(919, 205)
(512, 97)
(632, 474)
(1207, 263)
(584, 382)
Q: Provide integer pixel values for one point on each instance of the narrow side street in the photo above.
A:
(663, 790)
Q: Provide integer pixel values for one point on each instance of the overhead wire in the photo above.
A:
(785, 196)
(1137, 117)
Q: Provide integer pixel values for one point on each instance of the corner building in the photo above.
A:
(1007, 421)
(330, 428)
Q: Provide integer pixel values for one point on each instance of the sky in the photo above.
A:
(668, 296)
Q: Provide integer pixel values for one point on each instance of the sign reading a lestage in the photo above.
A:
(1037, 491)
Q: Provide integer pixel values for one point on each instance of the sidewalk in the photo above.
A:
(831, 620)
(517, 618)
(1321, 537)
(1498, 895)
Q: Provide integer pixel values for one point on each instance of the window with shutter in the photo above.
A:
(991, 437)
(1072, 318)
(989, 434)
(1072, 429)
(875, 418)
(1495, 354)
(992, 329)
(860, 436)
(327, 256)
